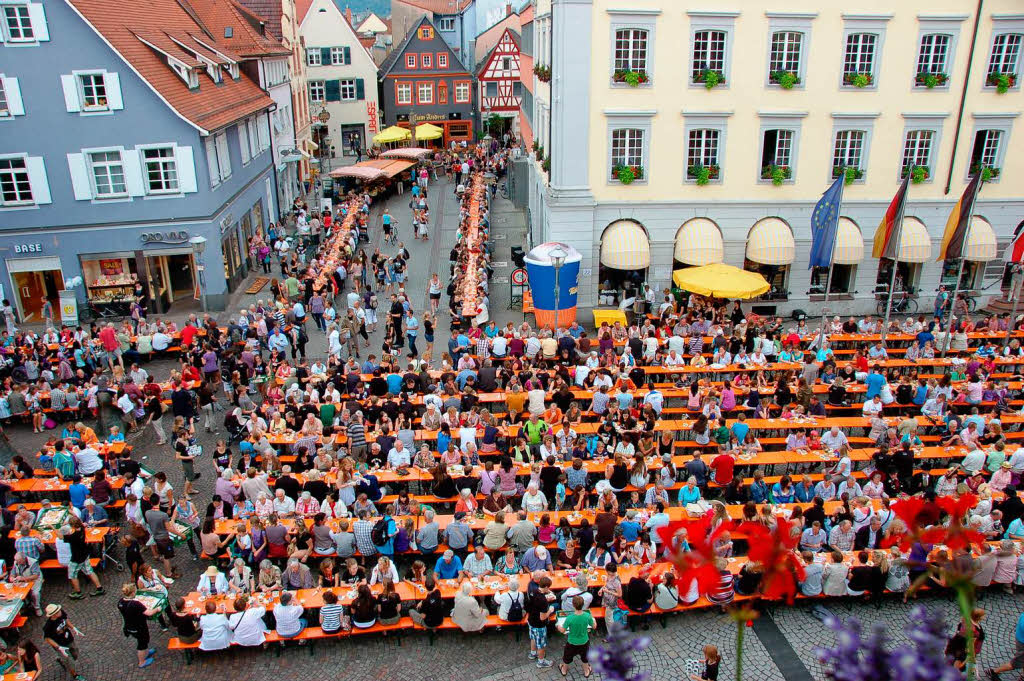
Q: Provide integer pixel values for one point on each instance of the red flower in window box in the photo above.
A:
(774, 550)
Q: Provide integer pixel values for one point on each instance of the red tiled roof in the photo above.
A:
(439, 6)
(368, 42)
(269, 11)
(246, 37)
(301, 9)
(124, 25)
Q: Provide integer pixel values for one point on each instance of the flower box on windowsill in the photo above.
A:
(702, 174)
(710, 78)
(630, 78)
(852, 174)
(930, 80)
(1001, 81)
(777, 174)
(988, 173)
(858, 80)
(543, 73)
(784, 79)
(627, 174)
(918, 174)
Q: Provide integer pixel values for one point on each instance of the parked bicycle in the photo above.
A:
(902, 303)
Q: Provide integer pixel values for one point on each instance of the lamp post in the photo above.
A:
(558, 256)
(198, 246)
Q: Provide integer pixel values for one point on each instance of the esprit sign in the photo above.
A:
(28, 248)
(164, 237)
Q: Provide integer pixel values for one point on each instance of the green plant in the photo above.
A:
(711, 78)
(857, 79)
(540, 153)
(1002, 81)
(546, 165)
(536, 146)
(627, 174)
(852, 174)
(542, 72)
(630, 77)
(987, 172)
(703, 174)
(930, 80)
(784, 79)
(777, 174)
(918, 174)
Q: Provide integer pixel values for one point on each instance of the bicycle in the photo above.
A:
(504, 191)
(902, 303)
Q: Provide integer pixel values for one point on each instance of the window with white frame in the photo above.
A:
(161, 170)
(337, 56)
(107, 174)
(932, 56)
(15, 185)
(348, 89)
(313, 56)
(403, 93)
(461, 92)
(702, 152)
(442, 60)
(427, 60)
(410, 61)
(787, 48)
(5, 107)
(848, 152)
(92, 91)
(446, 24)
(708, 54)
(1005, 58)
(777, 153)
(317, 91)
(985, 151)
(424, 93)
(627, 149)
(859, 58)
(18, 24)
(631, 50)
(917, 152)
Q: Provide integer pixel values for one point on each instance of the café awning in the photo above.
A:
(721, 281)
(408, 152)
(915, 244)
(426, 131)
(391, 134)
(770, 242)
(849, 248)
(624, 246)
(699, 242)
(374, 169)
(981, 241)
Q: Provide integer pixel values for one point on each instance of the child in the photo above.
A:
(560, 492)
(564, 533)
(545, 531)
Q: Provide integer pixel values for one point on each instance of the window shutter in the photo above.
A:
(13, 91)
(80, 183)
(264, 130)
(112, 82)
(131, 160)
(348, 55)
(254, 138)
(186, 167)
(325, 56)
(70, 85)
(243, 141)
(211, 161)
(37, 178)
(38, 17)
(332, 90)
(360, 89)
(223, 156)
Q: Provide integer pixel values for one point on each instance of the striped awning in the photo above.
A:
(699, 242)
(915, 244)
(771, 243)
(624, 246)
(981, 241)
(849, 248)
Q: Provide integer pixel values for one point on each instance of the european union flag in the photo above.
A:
(825, 223)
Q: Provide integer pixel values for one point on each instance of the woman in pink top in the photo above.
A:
(1006, 563)
(728, 401)
(507, 477)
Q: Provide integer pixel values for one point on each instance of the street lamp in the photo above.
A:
(558, 256)
(198, 246)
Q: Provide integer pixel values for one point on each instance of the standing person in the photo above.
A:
(9, 319)
(412, 329)
(47, 311)
(712, 658)
(539, 609)
(577, 628)
(80, 561)
(59, 632)
(182, 444)
(136, 625)
(434, 288)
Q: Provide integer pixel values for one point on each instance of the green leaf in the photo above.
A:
(787, 80)
(861, 80)
(711, 78)
(632, 79)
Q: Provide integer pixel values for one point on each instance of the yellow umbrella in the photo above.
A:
(426, 131)
(392, 134)
(721, 281)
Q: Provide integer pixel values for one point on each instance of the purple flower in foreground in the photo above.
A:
(614, 659)
(859, 658)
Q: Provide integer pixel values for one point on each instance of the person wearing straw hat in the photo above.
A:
(212, 582)
(59, 632)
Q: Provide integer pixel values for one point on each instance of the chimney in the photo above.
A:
(348, 15)
(508, 9)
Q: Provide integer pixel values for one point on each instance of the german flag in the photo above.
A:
(959, 222)
(885, 246)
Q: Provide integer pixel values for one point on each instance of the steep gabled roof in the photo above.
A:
(395, 54)
(270, 11)
(250, 32)
(144, 33)
(439, 6)
(483, 63)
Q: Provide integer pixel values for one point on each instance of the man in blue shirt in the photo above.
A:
(740, 428)
(629, 527)
(874, 383)
(412, 330)
(369, 366)
(78, 492)
(394, 383)
(463, 377)
(448, 566)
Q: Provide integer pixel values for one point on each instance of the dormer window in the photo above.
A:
(186, 73)
(215, 73)
(233, 71)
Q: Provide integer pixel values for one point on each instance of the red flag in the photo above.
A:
(885, 246)
(1015, 252)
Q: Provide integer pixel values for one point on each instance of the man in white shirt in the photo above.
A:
(677, 344)
(872, 406)
(507, 596)
(284, 506)
(398, 457)
(161, 341)
(834, 439)
(975, 459)
(654, 398)
(88, 460)
(1017, 461)
(674, 360)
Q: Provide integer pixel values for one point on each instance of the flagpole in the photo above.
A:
(960, 271)
(897, 234)
(1013, 313)
(831, 262)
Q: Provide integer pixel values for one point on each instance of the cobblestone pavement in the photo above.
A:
(492, 656)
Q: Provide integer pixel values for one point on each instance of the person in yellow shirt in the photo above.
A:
(86, 435)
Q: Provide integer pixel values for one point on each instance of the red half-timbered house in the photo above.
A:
(498, 75)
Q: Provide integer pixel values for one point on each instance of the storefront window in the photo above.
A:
(843, 279)
(907, 276)
(969, 280)
(110, 280)
(777, 277)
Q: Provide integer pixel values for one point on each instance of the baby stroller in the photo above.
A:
(235, 423)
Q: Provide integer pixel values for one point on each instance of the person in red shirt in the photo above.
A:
(723, 465)
(113, 349)
(187, 334)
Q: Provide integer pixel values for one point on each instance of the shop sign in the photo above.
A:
(431, 117)
(28, 248)
(179, 237)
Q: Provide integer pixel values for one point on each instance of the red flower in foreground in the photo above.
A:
(698, 562)
(955, 535)
(774, 551)
(908, 511)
